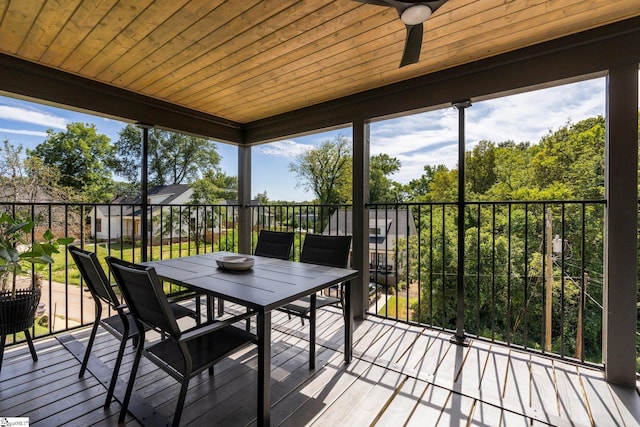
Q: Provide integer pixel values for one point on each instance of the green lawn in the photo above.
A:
(389, 309)
(124, 251)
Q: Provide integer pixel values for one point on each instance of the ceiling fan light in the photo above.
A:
(416, 14)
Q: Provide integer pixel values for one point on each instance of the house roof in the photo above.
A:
(236, 70)
(129, 205)
(391, 224)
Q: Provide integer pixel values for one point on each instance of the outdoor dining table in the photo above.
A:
(269, 284)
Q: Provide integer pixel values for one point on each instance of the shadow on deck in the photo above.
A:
(400, 375)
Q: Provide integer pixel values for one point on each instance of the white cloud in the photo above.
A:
(286, 149)
(32, 116)
(24, 132)
(530, 116)
(432, 138)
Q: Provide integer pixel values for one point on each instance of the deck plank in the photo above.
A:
(598, 394)
(360, 403)
(627, 403)
(324, 389)
(430, 407)
(570, 394)
(451, 363)
(543, 387)
(469, 376)
(517, 382)
(413, 356)
(428, 363)
(400, 374)
(402, 404)
(494, 375)
(457, 411)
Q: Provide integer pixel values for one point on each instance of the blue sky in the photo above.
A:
(416, 140)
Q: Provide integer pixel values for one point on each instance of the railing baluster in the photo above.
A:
(509, 294)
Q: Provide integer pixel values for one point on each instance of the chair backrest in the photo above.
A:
(142, 290)
(332, 251)
(274, 244)
(93, 275)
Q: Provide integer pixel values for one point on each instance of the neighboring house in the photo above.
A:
(385, 228)
(122, 217)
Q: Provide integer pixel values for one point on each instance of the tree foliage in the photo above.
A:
(173, 158)
(80, 155)
(28, 179)
(381, 188)
(504, 276)
(214, 186)
(325, 171)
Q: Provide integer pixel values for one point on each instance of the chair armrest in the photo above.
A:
(212, 326)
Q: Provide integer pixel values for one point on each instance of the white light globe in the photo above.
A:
(416, 14)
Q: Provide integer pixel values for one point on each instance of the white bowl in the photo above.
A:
(235, 262)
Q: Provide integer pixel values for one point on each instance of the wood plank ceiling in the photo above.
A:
(246, 60)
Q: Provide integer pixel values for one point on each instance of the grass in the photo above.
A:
(389, 309)
(59, 273)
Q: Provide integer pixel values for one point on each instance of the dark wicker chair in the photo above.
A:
(120, 324)
(183, 354)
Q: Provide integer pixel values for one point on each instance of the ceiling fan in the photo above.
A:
(412, 14)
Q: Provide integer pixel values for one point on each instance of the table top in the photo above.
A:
(270, 284)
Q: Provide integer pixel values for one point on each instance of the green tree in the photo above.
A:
(480, 167)
(214, 186)
(419, 189)
(326, 171)
(81, 156)
(444, 186)
(573, 155)
(29, 179)
(262, 197)
(173, 158)
(511, 170)
(381, 187)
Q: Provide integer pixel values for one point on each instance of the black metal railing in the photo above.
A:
(532, 270)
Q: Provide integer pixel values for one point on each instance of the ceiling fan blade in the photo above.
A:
(412, 45)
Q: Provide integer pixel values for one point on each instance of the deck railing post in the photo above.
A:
(459, 337)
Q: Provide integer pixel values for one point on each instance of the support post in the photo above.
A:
(360, 231)
(459, 337)
(621, 223)
(548, 282)
(144, 193)
(244, 200)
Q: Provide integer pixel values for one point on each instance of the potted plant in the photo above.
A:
(18, 306)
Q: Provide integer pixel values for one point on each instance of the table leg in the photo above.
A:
(312, 331)
(210, 311)
(348, 324)
(264, 368)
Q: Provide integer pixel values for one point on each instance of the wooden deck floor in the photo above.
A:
(400, 375)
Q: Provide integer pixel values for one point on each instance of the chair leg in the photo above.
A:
(210, 371)
(3, 339)
(132, 379)
(181, 399)
(116, 370)
(32, 349)
(92, 337)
